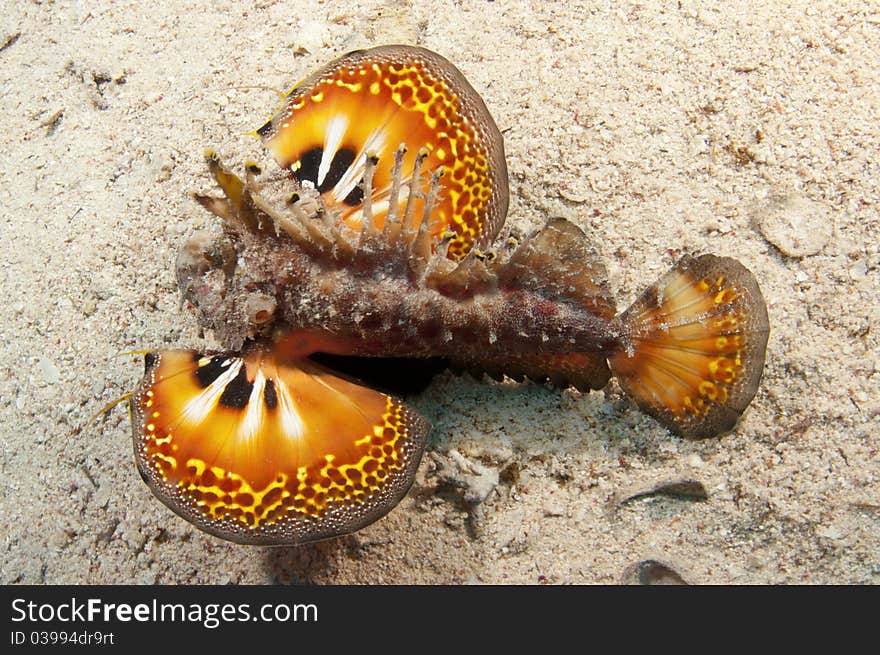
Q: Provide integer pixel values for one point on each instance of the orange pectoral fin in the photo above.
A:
(693, 347)
(259, 451)
(369, 102)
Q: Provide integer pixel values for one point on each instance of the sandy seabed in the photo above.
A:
(748, 129)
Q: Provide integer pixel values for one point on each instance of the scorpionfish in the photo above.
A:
(378, 236)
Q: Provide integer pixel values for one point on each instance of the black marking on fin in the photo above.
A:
(308, 165)
(205, 375)
(270, 396)
(238, 392)
(356, 196)
(342, 161)
(149, 361)
(265, 129)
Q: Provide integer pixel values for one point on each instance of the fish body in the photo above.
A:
(378, 237)
(378, 296)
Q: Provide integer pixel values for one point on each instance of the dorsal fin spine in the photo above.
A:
(392, 218)
(414, 183)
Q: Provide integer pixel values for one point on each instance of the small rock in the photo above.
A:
(509, 475)
(754, 563)
(795, 224)
(859, 270)
(652, 572)
(49, 370)
(475, 480)
(105, 535)
(554, 507)
(576, 194)
(680, 488)
(480, 480)
(455, 520)
(98, 387)
(102, 497)
(146, 578)
(134, 537)
(59, 539)
(831, 532)
(310, 38)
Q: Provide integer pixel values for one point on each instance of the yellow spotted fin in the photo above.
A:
(261, 449)
(691, 351)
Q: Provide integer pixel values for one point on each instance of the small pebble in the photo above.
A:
(680, 488)
(310, 38)
(652, 572)
(49, 371)
(554, 507)
(98, 387)
(102, 496)
(146, 578)
(831, 532)
(859, 270)
(475, 480)
(795, 224)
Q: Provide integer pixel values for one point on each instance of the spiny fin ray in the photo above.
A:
(560, 263)
(583, 371)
